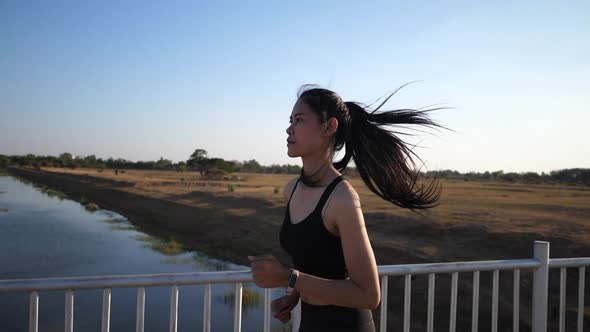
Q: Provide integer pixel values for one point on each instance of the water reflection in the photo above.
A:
(198, 260)
(119, 224)
(168, 247)
(251, 299)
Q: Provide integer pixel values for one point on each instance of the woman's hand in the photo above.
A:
(268, 272)
(281, 307)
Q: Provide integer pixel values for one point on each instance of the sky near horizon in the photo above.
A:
(144, 80)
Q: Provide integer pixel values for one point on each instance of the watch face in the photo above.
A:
(293, 279)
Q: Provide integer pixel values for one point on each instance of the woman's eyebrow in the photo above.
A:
(296, 114)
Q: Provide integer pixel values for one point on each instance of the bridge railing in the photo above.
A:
(539, 264)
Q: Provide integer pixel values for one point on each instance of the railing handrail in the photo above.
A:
(198, 278)
(124, 281)
(569, 262)
(450, 267)
(540, 264)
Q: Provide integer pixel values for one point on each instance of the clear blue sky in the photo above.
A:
(143, 80)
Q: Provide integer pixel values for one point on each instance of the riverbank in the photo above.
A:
(231, 224)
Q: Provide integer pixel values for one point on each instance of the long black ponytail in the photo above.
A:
(383, 160)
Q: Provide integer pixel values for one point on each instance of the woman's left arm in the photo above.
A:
(361, 290)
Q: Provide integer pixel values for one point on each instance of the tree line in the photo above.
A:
(199, 161)
(577, 176)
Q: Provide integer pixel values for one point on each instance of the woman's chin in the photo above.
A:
(292, 153)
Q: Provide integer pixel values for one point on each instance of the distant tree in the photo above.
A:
(4, 160)
(296, 169)
(66, 159)
(30, 160)
(209, 164)
(510, 177)
(497, 175)
(251, 166)
(531, 177)
(181, 166)
(163, 164)
(572, 175)
(229, 166)
(90, 161)
(197, 161)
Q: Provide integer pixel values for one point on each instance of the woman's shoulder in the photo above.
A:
(343, 205)
(345, 195)
(289, 187)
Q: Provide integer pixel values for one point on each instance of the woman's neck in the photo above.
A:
(320, 166)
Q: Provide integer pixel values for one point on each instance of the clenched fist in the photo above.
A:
(282, 307)
(268, 272)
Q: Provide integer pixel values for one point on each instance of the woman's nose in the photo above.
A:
(289, 130)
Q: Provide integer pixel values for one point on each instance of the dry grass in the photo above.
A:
(500, 207)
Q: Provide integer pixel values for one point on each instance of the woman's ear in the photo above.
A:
(332, 126)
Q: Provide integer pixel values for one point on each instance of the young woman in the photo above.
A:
(335, 273)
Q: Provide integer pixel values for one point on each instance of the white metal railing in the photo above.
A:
(34, 286)
(563, 264)
(454, 268)
(540, 265)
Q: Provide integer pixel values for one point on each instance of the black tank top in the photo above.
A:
(313, 249)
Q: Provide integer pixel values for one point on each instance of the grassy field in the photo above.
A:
(497, 207)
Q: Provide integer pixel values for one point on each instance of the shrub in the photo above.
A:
(91, 207)
(215, 174)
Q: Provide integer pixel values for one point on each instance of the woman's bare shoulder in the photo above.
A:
(289, 188)
(343, 205)
(346, 195)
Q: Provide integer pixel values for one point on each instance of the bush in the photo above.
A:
(91, 207)
(215, 174)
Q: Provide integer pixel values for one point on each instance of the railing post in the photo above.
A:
(267, 309)
(173, 326)
(34, 312)
(140, 310)
(238, 307)
(540, 284)
(207, 309)
(69, 311)
(106, 310)
(384, 292)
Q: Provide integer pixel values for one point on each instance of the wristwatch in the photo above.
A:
(292, 281)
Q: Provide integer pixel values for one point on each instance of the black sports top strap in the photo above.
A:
(328, 192)
(292, 192)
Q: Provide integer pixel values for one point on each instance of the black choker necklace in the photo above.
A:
(308, 180)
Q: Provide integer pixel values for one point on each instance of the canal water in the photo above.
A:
(46, 235)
